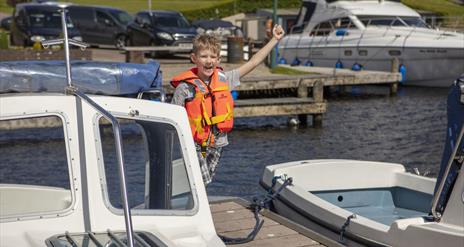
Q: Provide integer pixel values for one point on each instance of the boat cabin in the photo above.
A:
(60, 179)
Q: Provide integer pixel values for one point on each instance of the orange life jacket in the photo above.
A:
(211, 105)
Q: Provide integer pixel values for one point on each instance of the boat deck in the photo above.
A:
(232, 219)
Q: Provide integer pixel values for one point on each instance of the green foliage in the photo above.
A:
(237, 6)
(441, 7)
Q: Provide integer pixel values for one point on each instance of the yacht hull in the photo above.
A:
(429, 67)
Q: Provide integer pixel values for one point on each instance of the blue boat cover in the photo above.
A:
(108, 78)
(455, 112)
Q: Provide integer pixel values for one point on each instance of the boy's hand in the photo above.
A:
(278, 32)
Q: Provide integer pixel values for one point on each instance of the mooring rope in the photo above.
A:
(256, 206)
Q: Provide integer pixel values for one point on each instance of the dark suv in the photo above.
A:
(161, 27)
(38, 21)
(100, 25)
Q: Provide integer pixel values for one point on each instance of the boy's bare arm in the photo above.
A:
(277, 34)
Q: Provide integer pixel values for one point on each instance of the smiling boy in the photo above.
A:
(205, 93)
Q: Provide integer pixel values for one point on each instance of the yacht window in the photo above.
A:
(362, 52)
(34, 174)
(323, 28)
(414, 21)
(394, 52)
(156, 176)
(344, 23)
(348, 52)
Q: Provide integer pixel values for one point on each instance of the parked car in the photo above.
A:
(221, 28)
(100, 25)
(38, 21)
(5, 23)
(161, 28)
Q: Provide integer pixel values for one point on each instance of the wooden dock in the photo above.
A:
(233, 219)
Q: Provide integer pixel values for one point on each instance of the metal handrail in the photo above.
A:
(70, 89)
(436, 197)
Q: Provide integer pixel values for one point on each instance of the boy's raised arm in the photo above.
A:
(277, 34)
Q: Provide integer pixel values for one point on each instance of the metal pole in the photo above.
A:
(149, 5)
(274, 21)
(66, 45)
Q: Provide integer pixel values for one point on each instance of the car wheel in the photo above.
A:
(121, 41)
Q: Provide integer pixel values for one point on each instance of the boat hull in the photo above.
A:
(325, 193)
(429, 67)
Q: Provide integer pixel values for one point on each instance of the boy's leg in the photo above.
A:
(213, 155)
(204, 167)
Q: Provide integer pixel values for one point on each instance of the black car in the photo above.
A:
(161, 28)
(5, 23)
(100, 25)
(34, 22)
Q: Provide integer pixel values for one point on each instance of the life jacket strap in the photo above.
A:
(223, 117)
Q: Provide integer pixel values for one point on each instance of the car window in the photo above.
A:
(79, 14)
(171, 21)
(143, 18)
(121, 16)
(104, 19)
(46, 18)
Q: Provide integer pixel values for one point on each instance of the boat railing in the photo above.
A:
(449, 23)
(70, 89)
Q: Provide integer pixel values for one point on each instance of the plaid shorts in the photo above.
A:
(209, 163)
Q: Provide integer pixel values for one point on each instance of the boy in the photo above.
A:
(205, 93)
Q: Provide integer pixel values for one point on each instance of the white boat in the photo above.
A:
(365, 203)
(369, 35)
(81, 169)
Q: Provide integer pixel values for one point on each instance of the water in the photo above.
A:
(408, 129)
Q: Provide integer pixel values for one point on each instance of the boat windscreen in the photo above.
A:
(391, 21)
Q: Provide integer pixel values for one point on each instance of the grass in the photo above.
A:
(289, 71)
(442, 7)
(133, 6)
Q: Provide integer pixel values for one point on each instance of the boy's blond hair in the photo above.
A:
(206, 41)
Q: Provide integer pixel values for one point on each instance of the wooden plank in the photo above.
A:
(286, 241)
(279, 110)
(232, 215)
(224, 206)
(240, 224)
(273, 231)
(272, 101)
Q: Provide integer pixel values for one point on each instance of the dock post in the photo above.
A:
(395, 65)
(302, 92)
(134, 57)
(318, 96)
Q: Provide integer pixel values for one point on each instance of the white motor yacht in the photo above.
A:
(369, 35)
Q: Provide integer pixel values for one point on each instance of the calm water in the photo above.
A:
(408, 129)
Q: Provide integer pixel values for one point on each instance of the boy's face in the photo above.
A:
(205, 60)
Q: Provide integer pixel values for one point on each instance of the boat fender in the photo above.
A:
(308, 63)
(402, 70)
(356, 67)
(234, 94)
(296, 62)
(282, 61)
(341, 32)
(345, 225)
(339, 64)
